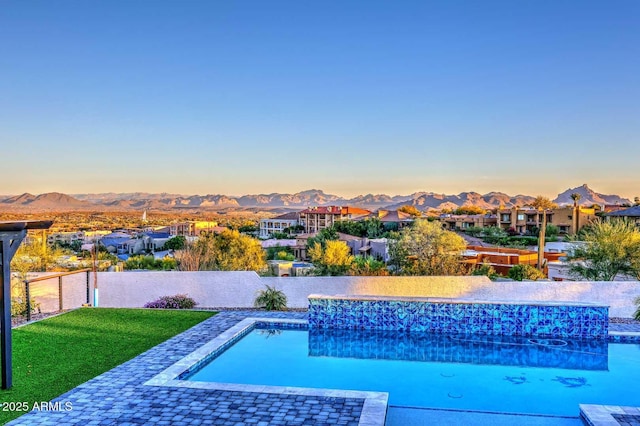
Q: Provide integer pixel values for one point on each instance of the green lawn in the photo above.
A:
(55, 355)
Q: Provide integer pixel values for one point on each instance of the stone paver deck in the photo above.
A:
(120, 397)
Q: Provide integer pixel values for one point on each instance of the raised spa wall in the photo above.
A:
(453, 316)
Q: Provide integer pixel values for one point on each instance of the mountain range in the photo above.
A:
(55, 201)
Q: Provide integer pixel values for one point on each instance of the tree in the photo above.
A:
(636, 201)
(333, 259)
(610, 248)
(409, 209)
(227, 251)
(575, 197)
(427, 249)
(175, 243)
(469, 210)
(322, 237)
(494, 235)
(544, 204)
(350, 227)
(373, 228)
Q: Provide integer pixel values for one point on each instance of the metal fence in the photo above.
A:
(56, 292)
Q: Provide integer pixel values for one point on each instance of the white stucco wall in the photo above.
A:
(238, 289)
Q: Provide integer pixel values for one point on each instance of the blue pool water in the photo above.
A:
(478, 373)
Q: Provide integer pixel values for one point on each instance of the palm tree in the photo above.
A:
(575, 197)
(544, 204)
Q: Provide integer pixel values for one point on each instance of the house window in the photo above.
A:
(520, 217)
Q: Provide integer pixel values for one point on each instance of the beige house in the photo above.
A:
(568, 219)
(464, 221)
(391, 219)
(194, 228)
(314, 219)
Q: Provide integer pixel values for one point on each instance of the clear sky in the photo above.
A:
(352, 97)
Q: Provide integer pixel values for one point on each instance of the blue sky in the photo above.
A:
(351, 97)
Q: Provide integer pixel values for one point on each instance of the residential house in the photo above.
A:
(121, 243)
(378, 248)
(631, 213)
(277, 224)
(522, 220)
(390, 219)
(570, 220)
(464, 221)
(194, 228)
(154, 241)
(65, 237)
(314, 219)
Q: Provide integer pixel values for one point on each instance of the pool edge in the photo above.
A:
(374, 408)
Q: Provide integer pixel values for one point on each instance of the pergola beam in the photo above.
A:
(11, 235)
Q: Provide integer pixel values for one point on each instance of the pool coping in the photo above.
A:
(602, 415)
(445, 300)
(374, 409)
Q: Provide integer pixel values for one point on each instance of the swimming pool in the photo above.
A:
(461, 372)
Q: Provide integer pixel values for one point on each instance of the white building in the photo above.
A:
(277, 224)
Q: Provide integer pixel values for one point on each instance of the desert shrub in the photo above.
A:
(487, 270)
(271, 299)
(179, 301)
(19, 306)
(525, 273)
(150, 263)
(474, 231)
(495, 235)
(525, 240)
(280, 253)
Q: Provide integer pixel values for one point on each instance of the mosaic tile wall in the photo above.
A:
(573, 321)
(466, 349)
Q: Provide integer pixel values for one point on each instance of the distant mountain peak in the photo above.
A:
(588, 197)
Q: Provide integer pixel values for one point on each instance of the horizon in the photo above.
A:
(354, 98)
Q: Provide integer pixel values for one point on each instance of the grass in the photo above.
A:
(55, 355)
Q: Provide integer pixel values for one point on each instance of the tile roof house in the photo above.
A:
(391, 218)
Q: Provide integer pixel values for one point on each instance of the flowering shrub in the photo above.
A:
(179, 301)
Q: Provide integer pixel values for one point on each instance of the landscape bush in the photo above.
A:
(179, 301)
(495, 235)
(525, 273)
(271, 299)
(150, 263)
(486, 270)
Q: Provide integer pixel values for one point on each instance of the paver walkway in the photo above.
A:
(119, 396)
